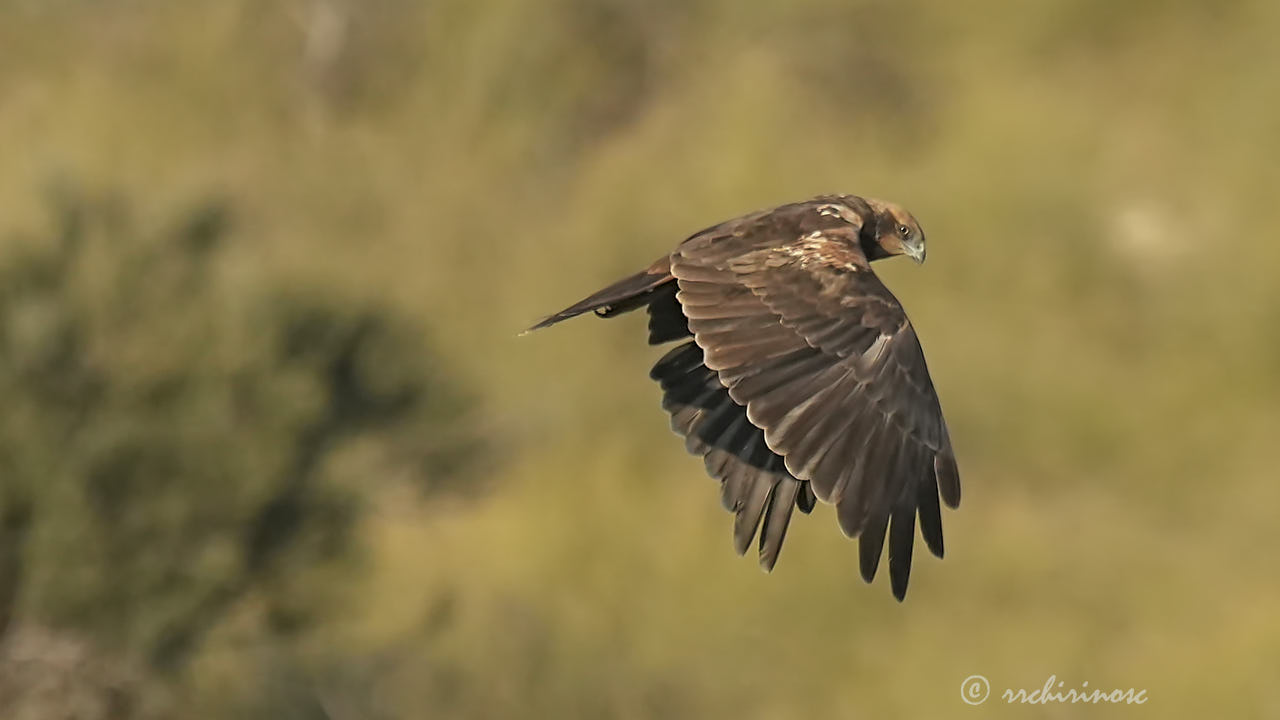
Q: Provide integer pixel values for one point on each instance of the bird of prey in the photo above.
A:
(797, 376)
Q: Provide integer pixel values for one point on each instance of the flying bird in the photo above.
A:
(797, 376)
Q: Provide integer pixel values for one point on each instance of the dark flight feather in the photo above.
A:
(627, 294)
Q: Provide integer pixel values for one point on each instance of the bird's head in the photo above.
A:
(893, 232)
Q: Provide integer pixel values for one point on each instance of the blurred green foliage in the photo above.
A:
(174, 450)
(278, 453)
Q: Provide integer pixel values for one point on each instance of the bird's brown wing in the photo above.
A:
(807, 338)
(754, 483)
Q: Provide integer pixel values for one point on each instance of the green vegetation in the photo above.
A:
(271, 446)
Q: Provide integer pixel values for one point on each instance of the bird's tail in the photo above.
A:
(626, 294)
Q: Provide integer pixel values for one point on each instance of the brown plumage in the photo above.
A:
(797, 376)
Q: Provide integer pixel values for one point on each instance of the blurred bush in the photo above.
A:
(173, 451)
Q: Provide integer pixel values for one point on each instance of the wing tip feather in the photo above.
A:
(948, 476)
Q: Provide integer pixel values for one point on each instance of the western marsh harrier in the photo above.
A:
(797, 376)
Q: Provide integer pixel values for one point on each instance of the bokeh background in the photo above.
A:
(271, 448)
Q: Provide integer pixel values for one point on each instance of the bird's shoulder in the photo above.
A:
(821, 232)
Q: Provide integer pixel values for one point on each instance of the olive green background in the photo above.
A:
(272, 447)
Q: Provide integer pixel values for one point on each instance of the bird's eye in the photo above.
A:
(903, 230)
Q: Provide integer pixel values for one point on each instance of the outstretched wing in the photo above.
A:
(804, 335)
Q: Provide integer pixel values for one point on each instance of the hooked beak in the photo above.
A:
(914, 250)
